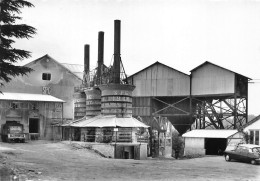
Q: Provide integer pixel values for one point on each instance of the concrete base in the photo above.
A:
(119, 150)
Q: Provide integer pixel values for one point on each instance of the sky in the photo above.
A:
(179, 33)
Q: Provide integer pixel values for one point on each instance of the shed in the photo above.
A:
(210, 142)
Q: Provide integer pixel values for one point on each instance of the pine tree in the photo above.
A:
(9, 13)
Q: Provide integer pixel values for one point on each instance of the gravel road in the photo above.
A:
(43, 160)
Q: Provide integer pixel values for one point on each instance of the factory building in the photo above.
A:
(43, 99)
(103, 107)
(211, 97)
(219, 97)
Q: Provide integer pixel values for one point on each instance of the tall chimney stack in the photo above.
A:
(100, 54)
(122, 105)
(86, 58)
(117, 57)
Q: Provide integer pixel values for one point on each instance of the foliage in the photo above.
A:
(177, 144)
(177, 141)
(9, 11)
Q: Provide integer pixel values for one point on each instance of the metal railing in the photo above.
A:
(111, 139)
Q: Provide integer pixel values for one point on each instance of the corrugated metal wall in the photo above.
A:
(210, 80)
(141, 106)
(160, 80)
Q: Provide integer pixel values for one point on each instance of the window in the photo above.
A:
(14, 105)
(46, 76)
(257, 137)
(251, 138)
(34, 106)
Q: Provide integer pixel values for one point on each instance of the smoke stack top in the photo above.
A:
(101, 47)
(86, 58)
(117, 58)
(100, 55)
(117, 36)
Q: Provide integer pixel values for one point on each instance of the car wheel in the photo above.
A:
(227, 158)
(253, 162)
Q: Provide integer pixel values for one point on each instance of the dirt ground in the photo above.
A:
(42, 160)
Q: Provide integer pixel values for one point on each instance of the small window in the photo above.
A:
(46, 76)
(14, 105)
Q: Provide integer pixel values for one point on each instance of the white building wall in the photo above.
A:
(254, 132)
(194, 146)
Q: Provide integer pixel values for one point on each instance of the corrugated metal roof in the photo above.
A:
(156, 63)
(75, 69)
(249, 145)
(207, 62)
(251, 122)
(206, 133)
(108, 121)
(28, 97)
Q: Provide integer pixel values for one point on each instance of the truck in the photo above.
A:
(12, 131)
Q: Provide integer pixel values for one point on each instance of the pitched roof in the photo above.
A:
(157, 63)
(207, 62)
(207, 133)
(251, 122)
(72, 68)
(28, 97)
(75, 69)
(108, 121)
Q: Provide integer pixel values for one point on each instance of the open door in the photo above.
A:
(137, 152)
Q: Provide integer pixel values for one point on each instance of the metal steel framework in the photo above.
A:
(219, 113)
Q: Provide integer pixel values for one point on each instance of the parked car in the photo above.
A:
(245, 153)
(12, 131)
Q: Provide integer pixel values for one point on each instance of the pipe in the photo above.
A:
(117, 58)
(86, 58)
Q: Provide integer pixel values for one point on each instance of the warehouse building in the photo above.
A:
(43, 99)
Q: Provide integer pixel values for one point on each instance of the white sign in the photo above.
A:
(115, 129)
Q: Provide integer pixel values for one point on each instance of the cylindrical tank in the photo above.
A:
(116, 99)
(93, 101)
(79, 105)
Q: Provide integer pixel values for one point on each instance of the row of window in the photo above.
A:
(31, 105)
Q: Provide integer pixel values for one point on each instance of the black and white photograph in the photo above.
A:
(129, 90)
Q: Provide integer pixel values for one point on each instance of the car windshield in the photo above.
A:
(256, 149)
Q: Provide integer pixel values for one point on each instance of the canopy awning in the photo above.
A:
(28, 97)
(108, 121)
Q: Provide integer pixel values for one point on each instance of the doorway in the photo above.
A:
(34, 125)
(215, 146)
